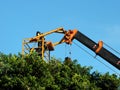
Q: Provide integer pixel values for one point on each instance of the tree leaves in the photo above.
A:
(32, 73)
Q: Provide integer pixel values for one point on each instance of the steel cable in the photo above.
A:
(97, 59)
(111, 48)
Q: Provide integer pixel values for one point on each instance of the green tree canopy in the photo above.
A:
(32, 73)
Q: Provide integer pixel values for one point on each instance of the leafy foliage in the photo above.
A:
(33, 73)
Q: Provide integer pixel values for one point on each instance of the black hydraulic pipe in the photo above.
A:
(104, 53)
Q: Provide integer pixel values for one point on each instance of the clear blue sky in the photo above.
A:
(98, 19)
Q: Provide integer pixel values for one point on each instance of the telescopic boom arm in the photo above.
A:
(95, 47)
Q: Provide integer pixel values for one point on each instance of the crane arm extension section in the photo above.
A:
(98, 49)
(68, 37)
(37, 38)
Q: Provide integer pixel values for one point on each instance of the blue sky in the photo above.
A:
(97, 19)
